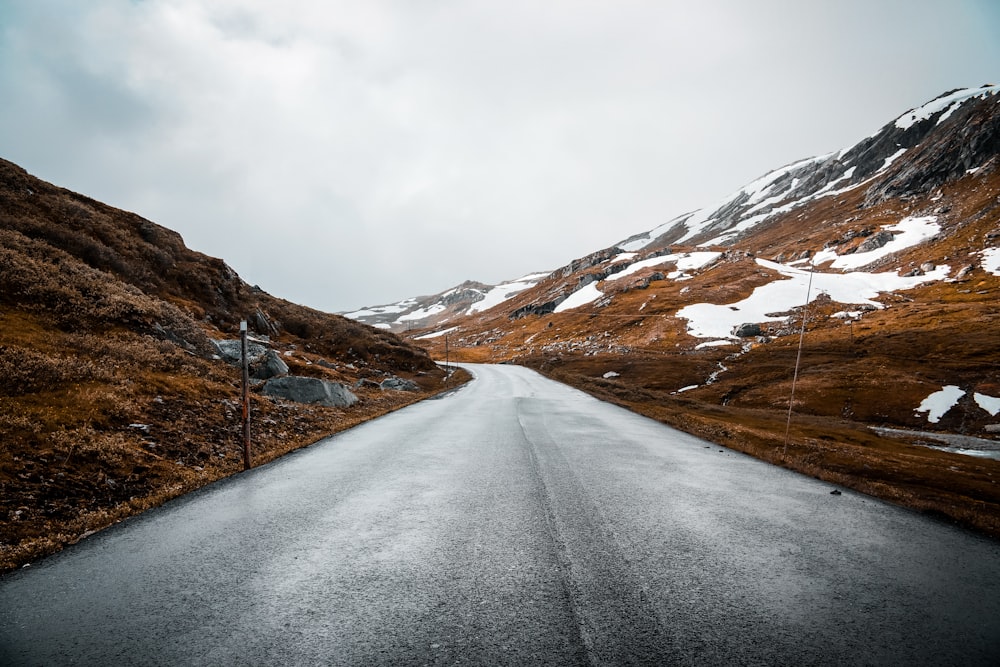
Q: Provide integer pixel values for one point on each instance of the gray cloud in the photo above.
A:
(343, 154)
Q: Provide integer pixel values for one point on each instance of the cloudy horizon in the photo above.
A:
(343, 154)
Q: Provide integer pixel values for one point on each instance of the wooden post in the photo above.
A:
(447, 367)
(246, 395)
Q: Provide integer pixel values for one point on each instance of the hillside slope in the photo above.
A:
(896, 242)
(114, 397)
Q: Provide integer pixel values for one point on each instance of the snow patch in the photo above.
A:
(940, 402)
(586, 294)
(421, 313)
(686, 262)
(435, 334)
(991, 260)
(949, 102)
(989, 403)
(910, 232)
(706, 320)
(504, 291)
(713, 343)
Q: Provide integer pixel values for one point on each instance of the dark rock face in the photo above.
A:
(590, 260)
(310, 390)
(536, 309)
(968, 139)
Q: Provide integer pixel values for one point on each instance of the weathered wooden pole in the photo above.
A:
(245, 362)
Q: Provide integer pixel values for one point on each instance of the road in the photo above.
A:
(515, 521)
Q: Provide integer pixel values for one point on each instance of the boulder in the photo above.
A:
(272, 365)
(399, 384)
(875, 241)
(229, 350)
(310, 390)
(747, 330)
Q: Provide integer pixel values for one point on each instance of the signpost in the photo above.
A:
(245, 363)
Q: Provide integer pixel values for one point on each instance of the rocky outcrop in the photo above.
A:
(875, 241)
(536, 309)
(944, 150)
(310, 390)
(590, 260)
(398, 384)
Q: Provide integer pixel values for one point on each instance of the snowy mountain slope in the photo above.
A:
(894, 240)
(797, 184)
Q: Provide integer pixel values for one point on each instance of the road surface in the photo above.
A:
(516, 521)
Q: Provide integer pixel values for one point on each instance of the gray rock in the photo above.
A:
(965, 272)
(875, 241)
(310, 390)
(272, 365)
(747, 330)
(230, 351)
(399, 384)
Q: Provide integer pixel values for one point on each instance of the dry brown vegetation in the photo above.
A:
(111, 401)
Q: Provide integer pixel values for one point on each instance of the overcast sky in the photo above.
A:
(342, 154)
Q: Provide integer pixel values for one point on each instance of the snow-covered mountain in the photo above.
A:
(428, 311)
(895, 240)
(827, 176)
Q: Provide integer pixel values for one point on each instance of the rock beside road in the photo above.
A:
(310, 390)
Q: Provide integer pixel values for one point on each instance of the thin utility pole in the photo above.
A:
(246, 394)
(798, 359)
(447, 368)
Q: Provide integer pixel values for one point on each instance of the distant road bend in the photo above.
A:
(516, 521)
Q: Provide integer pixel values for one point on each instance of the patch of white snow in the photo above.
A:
(991, 260)
(949, 102)
(586, 294)
(504, 291)
(989, 403)
(435, 334)
(940, 402)
(911, 231)
(706, 320)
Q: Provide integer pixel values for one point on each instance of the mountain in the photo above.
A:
(429, 311)
(114, 396)
(702, 322)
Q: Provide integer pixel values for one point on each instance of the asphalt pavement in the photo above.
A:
(515, 521)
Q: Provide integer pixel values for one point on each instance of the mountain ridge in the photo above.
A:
(781, 190)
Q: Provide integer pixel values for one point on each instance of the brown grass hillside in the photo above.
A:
(111, 401)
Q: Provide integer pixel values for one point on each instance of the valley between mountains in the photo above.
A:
(838, 316)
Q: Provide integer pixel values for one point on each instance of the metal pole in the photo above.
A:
(246, 395)
(447, 367)
(798, 358)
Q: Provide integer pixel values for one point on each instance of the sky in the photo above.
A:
(342, 154)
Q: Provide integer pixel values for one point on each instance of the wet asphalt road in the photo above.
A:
(515, 521)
